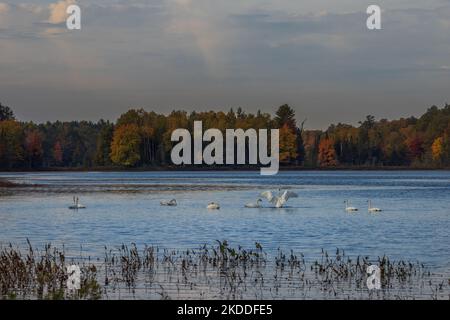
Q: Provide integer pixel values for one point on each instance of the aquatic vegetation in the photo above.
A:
(43, 275)
(216, 271)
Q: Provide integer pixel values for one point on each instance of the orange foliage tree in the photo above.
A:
(327, 154)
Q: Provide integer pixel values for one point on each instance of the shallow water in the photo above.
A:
(123, 207)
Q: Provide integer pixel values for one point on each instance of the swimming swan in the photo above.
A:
(76, 204)
(213, 206)
(373, 209)
(280, 200)
(170, 203)
(349, 208)
(254, 205)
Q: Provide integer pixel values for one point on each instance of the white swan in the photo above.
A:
(254, 205)
(76, 204)
(280, 200)
(373, 209)
(349, 208)
(213, 206)
(170, 203)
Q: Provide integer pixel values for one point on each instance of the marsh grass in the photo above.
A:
(211, 272)
(43, 275)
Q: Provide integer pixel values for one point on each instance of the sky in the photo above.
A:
(318, 56)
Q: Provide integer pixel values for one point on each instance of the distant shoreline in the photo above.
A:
(7, 184)
(206, 169)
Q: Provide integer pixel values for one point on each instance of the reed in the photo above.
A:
(43, 274)
(209, 272)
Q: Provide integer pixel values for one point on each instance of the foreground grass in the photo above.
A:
(211, 272)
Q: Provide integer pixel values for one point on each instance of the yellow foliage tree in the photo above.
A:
(288, 144)
(125, 146)
(437, 148)
(327, 154)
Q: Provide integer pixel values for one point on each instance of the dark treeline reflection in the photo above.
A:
(141, 138)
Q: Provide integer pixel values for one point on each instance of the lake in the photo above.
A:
(123, 207)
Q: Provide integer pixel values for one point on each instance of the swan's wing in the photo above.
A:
(268, 195)
(288, 194)
(292, 194)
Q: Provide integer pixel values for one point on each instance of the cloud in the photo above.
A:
(28, 20)
(58, 11)
(30, 7)
(4, 7)
(201, 53)
(207, 28)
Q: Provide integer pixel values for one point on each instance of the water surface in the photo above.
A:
(123, 207)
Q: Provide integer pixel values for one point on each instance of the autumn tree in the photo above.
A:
(11, 139)
(75, 148)
(291, 141)
(11, 144)
(103, 148)
(175, 120)
(364, 141)
(230, 119)
(300, 158)
(33, 148)
(285, 115)
(152, 127)
(345, 139)
(58, 153)
(288, 145)
(311, 142)
(395, 151)
(125, 146)
(415, 147)
(327, 154)
(6, 113)
(437, 149)
(132, 116)
(422, 141)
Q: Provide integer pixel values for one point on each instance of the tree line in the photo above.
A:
(142, 138)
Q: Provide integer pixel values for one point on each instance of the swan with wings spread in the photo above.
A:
(280, 200)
